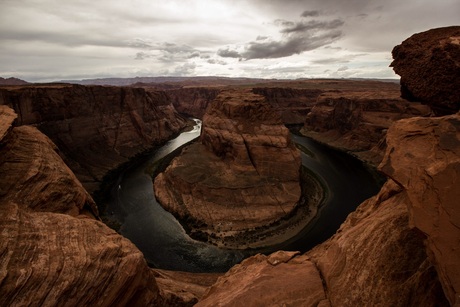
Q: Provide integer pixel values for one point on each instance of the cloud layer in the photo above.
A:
(51, 40)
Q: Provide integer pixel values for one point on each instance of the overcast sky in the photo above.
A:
(48, 40)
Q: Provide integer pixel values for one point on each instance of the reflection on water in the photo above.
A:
(166, 245)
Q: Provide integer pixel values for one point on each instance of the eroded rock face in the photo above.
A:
(96, 128)
(429, 66)
(55, 259)
(424, 158)
(281, 279)
(244, 172)
(193, 100)
(374, 259)
(34, 175)
(52, 252)
(357, 122)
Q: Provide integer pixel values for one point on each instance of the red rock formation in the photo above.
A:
(429, 66)
(34, 176)
(96, 128)
(374, 259)
(52, 253)
(243, 174)
(424, 158)
(356, 122)
(281, 279)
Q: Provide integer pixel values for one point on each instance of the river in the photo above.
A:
(166, 245)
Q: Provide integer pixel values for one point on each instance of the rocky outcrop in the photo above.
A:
(53, 252)
(429, 66)
(357, 122)
(96, 128)
(35, 177)
(53, 259)
(424, 158)
(281, 279)
(244, 173)
(374, 259)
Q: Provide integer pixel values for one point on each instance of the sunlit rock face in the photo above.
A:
(53, 249)
(424, 158)
(243, 173)
(429, 66)
(96, 128)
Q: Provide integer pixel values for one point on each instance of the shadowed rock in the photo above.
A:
(429, 66)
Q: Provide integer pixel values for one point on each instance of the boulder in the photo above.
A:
(429, 66)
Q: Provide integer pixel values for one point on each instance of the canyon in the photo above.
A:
(243, 174)
(399, 248)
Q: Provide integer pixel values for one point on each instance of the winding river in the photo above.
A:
(166, 245)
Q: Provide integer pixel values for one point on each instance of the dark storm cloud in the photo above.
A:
(304, 26)
(227, 53)
(310, 14)
(297, 37)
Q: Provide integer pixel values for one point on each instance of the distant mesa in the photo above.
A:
(12, 81)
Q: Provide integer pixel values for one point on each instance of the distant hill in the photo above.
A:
(12, 81)
(184, 81)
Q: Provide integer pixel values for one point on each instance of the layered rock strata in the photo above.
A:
(357, 122)
(96, 128)
(244, 172)
(375, 259)
(53, 251)
(429, 66)
(427, 166)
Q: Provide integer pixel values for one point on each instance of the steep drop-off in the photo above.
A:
(400, 247)
(244, 172)
(53, 251)
(96, 128)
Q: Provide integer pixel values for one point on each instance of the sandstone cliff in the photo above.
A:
(357, 121)
(400, 247)
(429, 66)
(375, 259)
(192, 100)
(96, 128)
(52, 252)
(244, 172)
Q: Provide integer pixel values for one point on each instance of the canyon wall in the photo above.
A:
(193, 101)
(400, 247)
(357, 121)
(96, 128)
(54, 252)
